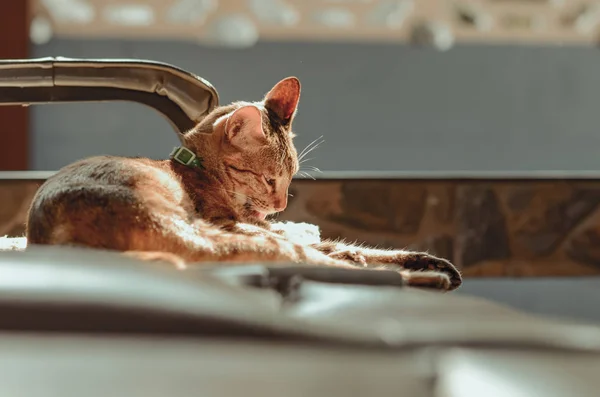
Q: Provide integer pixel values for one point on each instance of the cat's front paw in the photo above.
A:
(427, 279)
(422, 264)
(419, 269)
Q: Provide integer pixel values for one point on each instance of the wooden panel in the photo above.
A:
(14, 43)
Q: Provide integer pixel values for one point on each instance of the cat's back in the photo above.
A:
(100, 170)
(108, 172)
(104, 185)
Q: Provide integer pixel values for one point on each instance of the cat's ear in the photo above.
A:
(283, 99)
(244, 127)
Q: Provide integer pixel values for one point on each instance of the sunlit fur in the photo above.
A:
(163, 210)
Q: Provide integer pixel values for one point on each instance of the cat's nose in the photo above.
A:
(280, 203)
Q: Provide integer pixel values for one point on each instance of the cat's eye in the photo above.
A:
(270, 182)
(237, 169)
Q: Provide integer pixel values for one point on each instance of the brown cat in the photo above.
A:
(211, 207)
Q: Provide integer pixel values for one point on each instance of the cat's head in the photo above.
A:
(257, 155)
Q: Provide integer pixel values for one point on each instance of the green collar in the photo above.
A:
(186, 157)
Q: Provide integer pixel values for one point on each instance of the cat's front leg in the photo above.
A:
(419, 268)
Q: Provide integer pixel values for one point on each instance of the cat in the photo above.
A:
(209, 201)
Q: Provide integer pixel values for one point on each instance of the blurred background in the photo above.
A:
(495, 85)
(392, 86)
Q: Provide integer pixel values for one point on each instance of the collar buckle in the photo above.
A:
(186, 157)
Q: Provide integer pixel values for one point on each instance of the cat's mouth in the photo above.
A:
(260, 215)
(254, 212)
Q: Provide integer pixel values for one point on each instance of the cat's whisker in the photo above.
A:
(311, 168)
(306, 175)
(310, 147)
(305, 160)
(309, 150)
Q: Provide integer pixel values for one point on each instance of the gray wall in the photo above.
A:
(380, 107)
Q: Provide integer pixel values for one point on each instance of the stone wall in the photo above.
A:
(487, 228)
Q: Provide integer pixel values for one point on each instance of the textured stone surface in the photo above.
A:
(584, 245)
(438, 245)
(585, 248)
(493, 228)
(383, 206)
(442, 199)
(543, 215)
(481, 228)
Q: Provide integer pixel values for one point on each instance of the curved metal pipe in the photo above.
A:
(180, 96)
